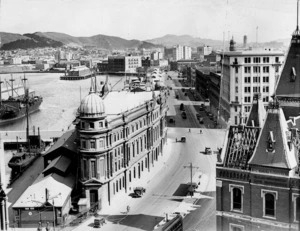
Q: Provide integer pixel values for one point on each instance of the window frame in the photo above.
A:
(231, 226)
(263, 195)
(241, 187)
(294, 199)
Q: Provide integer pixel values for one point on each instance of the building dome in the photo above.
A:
(92, 106)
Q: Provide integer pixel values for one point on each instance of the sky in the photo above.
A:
(266, 20)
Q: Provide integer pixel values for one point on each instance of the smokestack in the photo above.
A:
(245, 41)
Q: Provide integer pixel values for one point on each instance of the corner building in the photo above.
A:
(121, 137)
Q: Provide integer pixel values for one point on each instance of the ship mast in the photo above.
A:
(27, 112)
(1, 92)
(12, 86)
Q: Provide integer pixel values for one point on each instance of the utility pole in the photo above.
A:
(191, 168)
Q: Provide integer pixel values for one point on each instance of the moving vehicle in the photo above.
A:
(183, 115)
(201, 120)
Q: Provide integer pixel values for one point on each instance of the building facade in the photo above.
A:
(132, 63)
(116, 63)
(258, 171)
(246, 73)
(121, 138)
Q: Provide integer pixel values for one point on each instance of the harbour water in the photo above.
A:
(61, 100)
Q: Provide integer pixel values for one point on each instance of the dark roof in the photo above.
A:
(277, 158)
(67, 140)
(285, 86)
(61, 163)
(290, 111)
(257, 113)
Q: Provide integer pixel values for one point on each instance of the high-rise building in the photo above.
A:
(246, 73)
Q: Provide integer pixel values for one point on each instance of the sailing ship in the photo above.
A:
(27, 154)
(14, 107)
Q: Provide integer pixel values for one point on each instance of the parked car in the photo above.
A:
(208, 150)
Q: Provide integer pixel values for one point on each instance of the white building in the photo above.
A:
(246, 74)
(132, 62)
(187, 52)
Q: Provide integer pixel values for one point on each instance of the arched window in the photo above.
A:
(269, 204)
(237, 198)
(297, 209)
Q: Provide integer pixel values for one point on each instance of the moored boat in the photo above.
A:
(14, 107)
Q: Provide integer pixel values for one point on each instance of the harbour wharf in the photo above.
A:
(12, 139)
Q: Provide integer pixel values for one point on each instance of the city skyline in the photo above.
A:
(140, 19)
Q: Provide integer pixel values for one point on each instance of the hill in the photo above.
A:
(172, 40)
(53, 39)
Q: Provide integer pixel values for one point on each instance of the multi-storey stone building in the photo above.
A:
(258, 183)
(121, 137)
(246, 73)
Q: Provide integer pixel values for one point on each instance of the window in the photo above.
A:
(269, 203)
(247, 89)
(236, 99)
(256, 59)
(247, 80)
(92, 125)
(237, 192)
(247, 108)
(247, 60)
(101, 143)
(235, 108)
(266, 79)
(236, 80)
(247, 99)
(85, 167)
(93, 146)
(256, 69)
(100, 124)
(83, 144)
(266, 59)
(236, 70)
(265, 89)
(236, 89)
(234, 227)
(247, 69)
(82, 125)
(93, 169)
(296, 200)
(265, 69)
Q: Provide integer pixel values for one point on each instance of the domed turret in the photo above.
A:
(92, 106)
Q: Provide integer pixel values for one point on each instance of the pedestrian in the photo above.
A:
(128, 208)
(200, 131)
(189, 130)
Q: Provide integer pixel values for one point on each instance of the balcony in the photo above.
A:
(235, 103)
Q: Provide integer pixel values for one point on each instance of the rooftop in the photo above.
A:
(117, 102)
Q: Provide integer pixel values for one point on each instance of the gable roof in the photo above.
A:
(275, 128)
(61, 163)
(67, 140)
